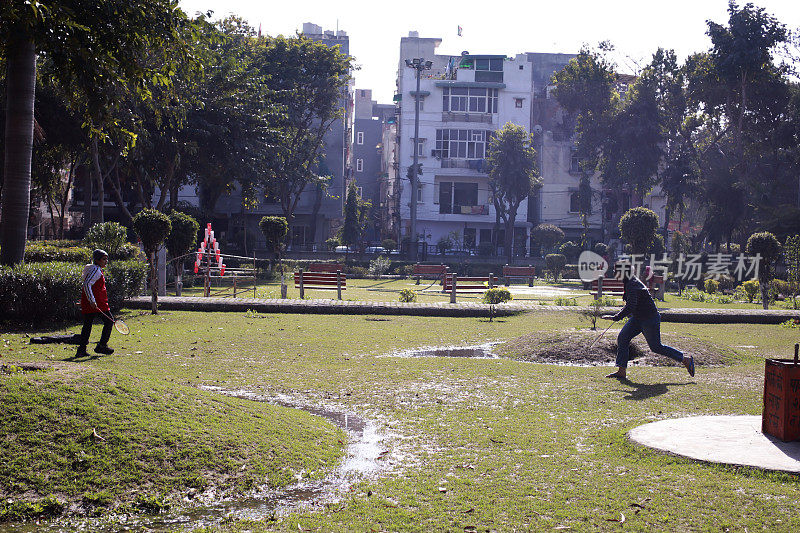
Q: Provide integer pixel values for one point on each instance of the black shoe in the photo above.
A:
(103, 349)
(81, 352)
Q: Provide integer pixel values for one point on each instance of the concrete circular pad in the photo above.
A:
(734, 440)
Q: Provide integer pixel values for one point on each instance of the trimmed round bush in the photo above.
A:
(638, 227)
(555, 264)
(389, 244)
(183, 235)
(108, 236)
(497, 295)
(152, 227)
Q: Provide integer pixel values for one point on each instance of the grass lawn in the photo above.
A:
(474, 444)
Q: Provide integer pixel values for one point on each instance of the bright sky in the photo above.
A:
(636, 27)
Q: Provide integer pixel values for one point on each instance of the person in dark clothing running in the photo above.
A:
(94, 303)
(644, 318)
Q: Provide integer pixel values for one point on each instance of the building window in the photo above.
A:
(574, 202)
(419, 193)
(469, 238)
(461, 144)
(518, 102)
(421, 147)
(469, 100)
(458, 198)
(359, 165)
(360, 137)
(574, 161)
(486, 236)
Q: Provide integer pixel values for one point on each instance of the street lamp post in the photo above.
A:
(418, 64)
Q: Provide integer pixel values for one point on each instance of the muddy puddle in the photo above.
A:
(364, 455)
(481, 351)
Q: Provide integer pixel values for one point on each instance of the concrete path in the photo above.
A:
(465, 309)
(732, 440)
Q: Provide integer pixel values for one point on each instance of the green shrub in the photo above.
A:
(555, 263)
(779, 287)
(570, 250)
(37, 292)
(332, 243)
(711, 286)
(357, 272)
(379, 266)
(108, 236)
(497, 295)
(130, 251)
(750, 288)
(565, 301)
(407, 295)
(694, 295)
(36, 252)
(389, 244)
(124, 280)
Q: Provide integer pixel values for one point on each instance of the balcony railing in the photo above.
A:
(478, 165)
(445, 209)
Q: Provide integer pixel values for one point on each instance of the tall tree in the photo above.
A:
(90, 44)
(513, 175)
(307, 80)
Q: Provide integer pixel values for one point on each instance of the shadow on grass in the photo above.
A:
(643, 391)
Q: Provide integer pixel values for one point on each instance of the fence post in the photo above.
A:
(453, 289)
(283, 286)
(339, 284)
(491, 280)
(302, 293)
(530, 279)
(599, 287)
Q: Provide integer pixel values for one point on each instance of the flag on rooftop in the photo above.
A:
(460, 29)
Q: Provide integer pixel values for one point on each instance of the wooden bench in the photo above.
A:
(521, 272)
(615, 287)
(320, 280)
(435, 271)
(469, 283)
(609, 286)
(325, 267)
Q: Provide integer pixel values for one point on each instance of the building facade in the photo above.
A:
(463, 100)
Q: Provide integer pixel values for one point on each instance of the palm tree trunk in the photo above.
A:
(20, 87)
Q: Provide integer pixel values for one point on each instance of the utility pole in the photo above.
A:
(418, 64)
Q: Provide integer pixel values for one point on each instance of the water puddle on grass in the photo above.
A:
(364, 453)
(481, 351)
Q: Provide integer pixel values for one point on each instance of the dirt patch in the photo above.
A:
(572, 347)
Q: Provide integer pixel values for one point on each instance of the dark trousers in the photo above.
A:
(86, 331)
(651, 328)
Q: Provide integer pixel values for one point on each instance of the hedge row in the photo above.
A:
(37, 292)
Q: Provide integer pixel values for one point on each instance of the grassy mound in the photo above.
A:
(84, 442)
(573, 347)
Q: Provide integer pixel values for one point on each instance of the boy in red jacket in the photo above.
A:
(94, 303)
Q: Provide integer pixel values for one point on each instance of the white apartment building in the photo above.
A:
(463, 99)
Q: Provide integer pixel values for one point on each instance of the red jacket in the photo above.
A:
(94, 290)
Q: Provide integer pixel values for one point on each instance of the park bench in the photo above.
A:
(615, 287)
(435, 271)
(325, 267)
(469, 283)
(520, 272)
(320, 280)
